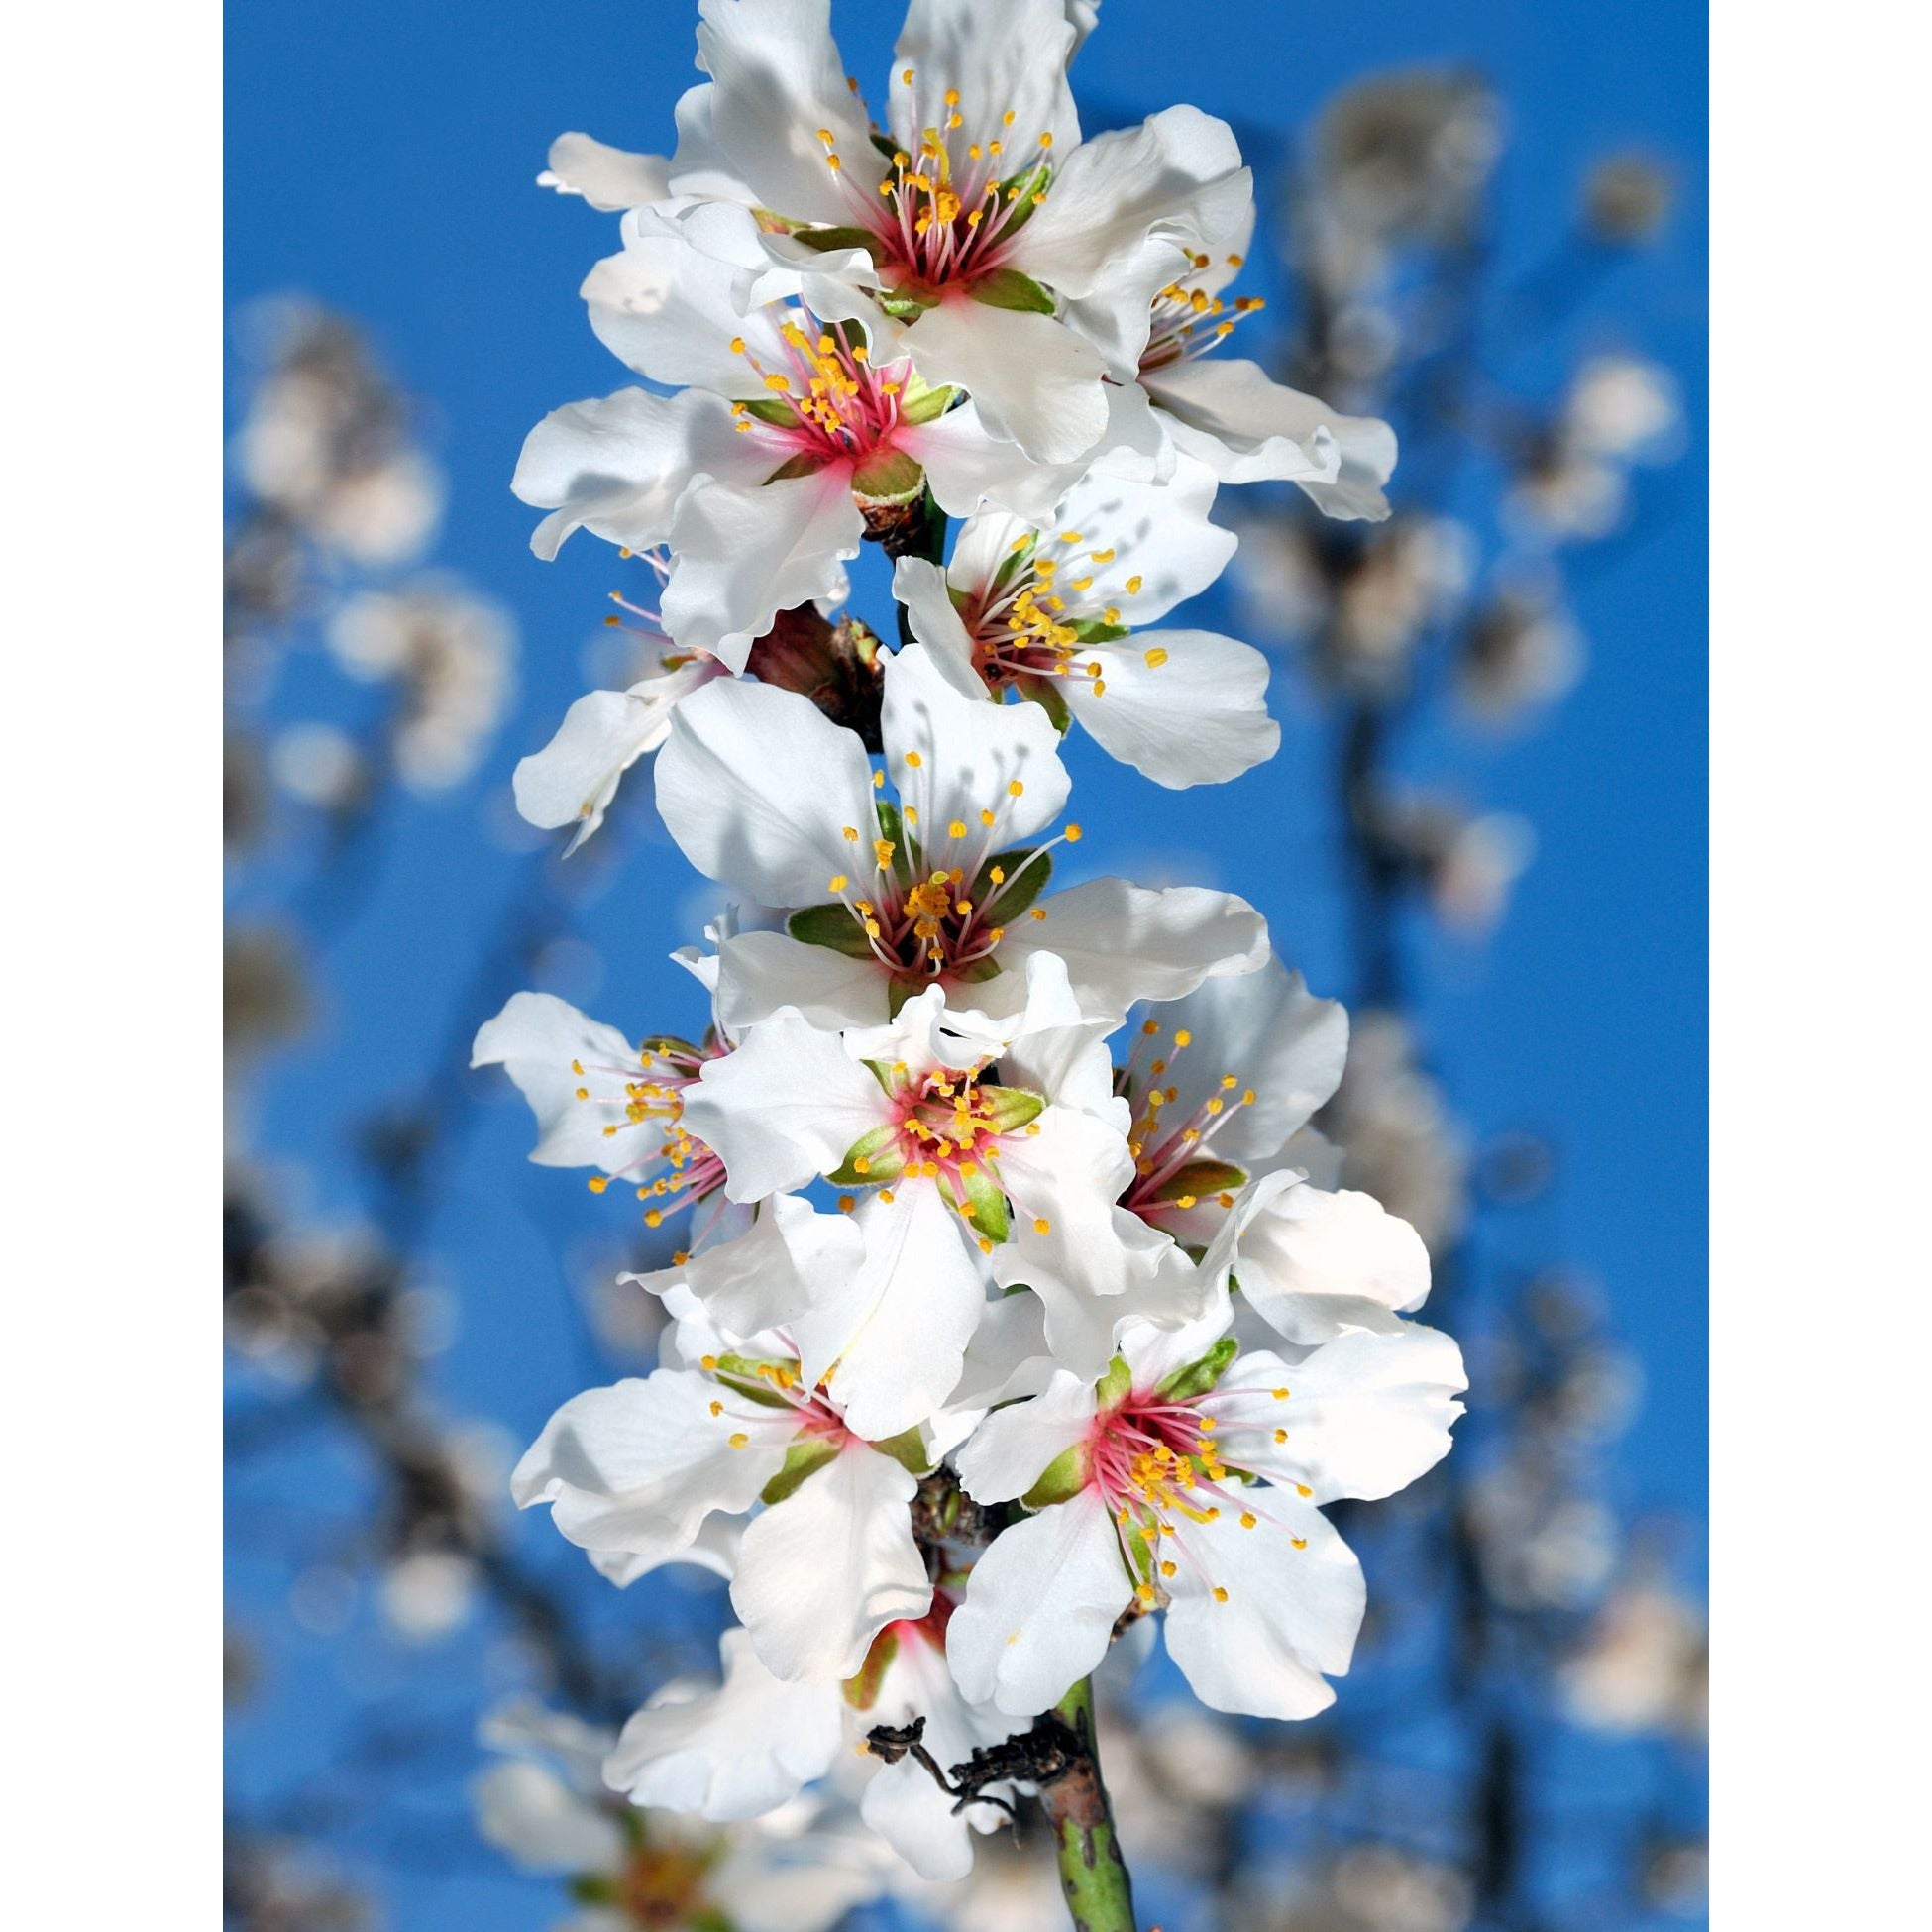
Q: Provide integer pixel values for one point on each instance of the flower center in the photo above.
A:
(1033, 619)
(1174, 1164)
(661, 1887)
(668, 1166)
(1189, 319)
(945, 212)
(827, 403)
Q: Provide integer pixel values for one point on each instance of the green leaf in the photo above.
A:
(1011, 1108)
(862, 1689)
(1046, 693)
(1201, 1177)
(920, 403)
(1066, 1476)
(1199, 1376)
(1113, 1388)
(908, 1449)
(882, 1154)
(888, 476)
(985, 1205)
(770, 409)
(831, 926)
(1020, 886)
(1009, 288)
(802, 1460)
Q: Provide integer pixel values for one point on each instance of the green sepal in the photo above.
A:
(902, 987)
(794, 466)
(1016, 892)
(740, 1373)
(802, 1460)
(831, 926)
(921, 403)
(822, 241)
(1090, 630)
(1114, 1387)
(903, 305)
(1012, 1107)
(1009, 288)
(1062, 1478)
(985, 1205)
(908, 1449)
(882, 1153)
(594, 1889)
(1201, 1177)
(890, 824)
(1199, 1376)
(770, 409)
(890, 476)
(862, 1688)
(1046, 693)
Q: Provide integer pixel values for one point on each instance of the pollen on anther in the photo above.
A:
(738, 1439)
(1220, 1595)
(1248, 1519)
(1015, 788)
(1156, 658)
(1300, 1543)
(1041, 1226)
(1073, 834)
(914, 759)
(717, 1408)
(1037, 913)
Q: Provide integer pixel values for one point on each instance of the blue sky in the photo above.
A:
(381, 159)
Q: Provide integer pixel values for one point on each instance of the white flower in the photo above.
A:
(977, 215)
(632, 1471)
(762, 791)
(755, 472)
(933, 1148)
(754, 1742)
(608, 179)
(1046, 609)
(544, 1804)
(573, 778)
(1184, 1482)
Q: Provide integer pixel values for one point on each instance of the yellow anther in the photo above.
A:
(777, 384)
(1183, 1038)
(1220, 1595)
(886, 1195)
(708, 1362)
(851, 833)
(1041, 1226)
(583, 1093)
(1280, 1395)
(1168, 1569)
(914, 759)
(738, 1439)
(653, 1216)
(597, 1183)
(1133, 586)
(1156, 658)
(1073, 834)
(1281, 1434)
(1015, 788)
(1302, 1490)
(985, 819)
(1046, 141)
(1300, 1543)
(717, 1408)
(1186, 1201)
(1248, 1519)
(836, 883)
(847, 1202)
(1247, 1095)
(1037, 913)
(957, 829)
(999, 872)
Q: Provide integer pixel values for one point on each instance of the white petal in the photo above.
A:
(611, 180)
(967, 465)
(1176, 178)
(1011, 1450)
(756, 785)
(1124, 943)
(1312, 1264)
(573, 778)
(922, 587)
(1196, 714)
(760, 972)
(1040, 1608)
(735, 1752)
(1156, 1286)
(822, 1572)
(783, 1108)
(1161, 541)
(777, 80)
(635, 1468)
(1034, 381)
(1276, 1038)
(792, 1259)
(1364, 1415)
(900, 1334)
(1018, 67)
(1006, 1358)
(540, 1040)
(617, 466)
(530, 1813)
(1248, 428)
(1290, 1614)
(970, 753)
(740, 555)
(669, 310)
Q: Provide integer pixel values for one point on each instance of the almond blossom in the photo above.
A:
(946, 1167)
(1047, 610)
(935, 885)
(1190, 1480)
(750, 1746)
(963, 224)
(632, 1472)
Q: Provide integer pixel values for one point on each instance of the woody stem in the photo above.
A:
(1092, 1873)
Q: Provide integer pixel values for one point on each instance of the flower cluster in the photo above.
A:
(979, 1169)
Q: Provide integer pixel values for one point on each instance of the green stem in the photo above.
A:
(1092, 1873)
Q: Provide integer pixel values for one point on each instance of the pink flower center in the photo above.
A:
(1175, 1168)
(827, 402)
(668, 1165)
(1189, 318)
